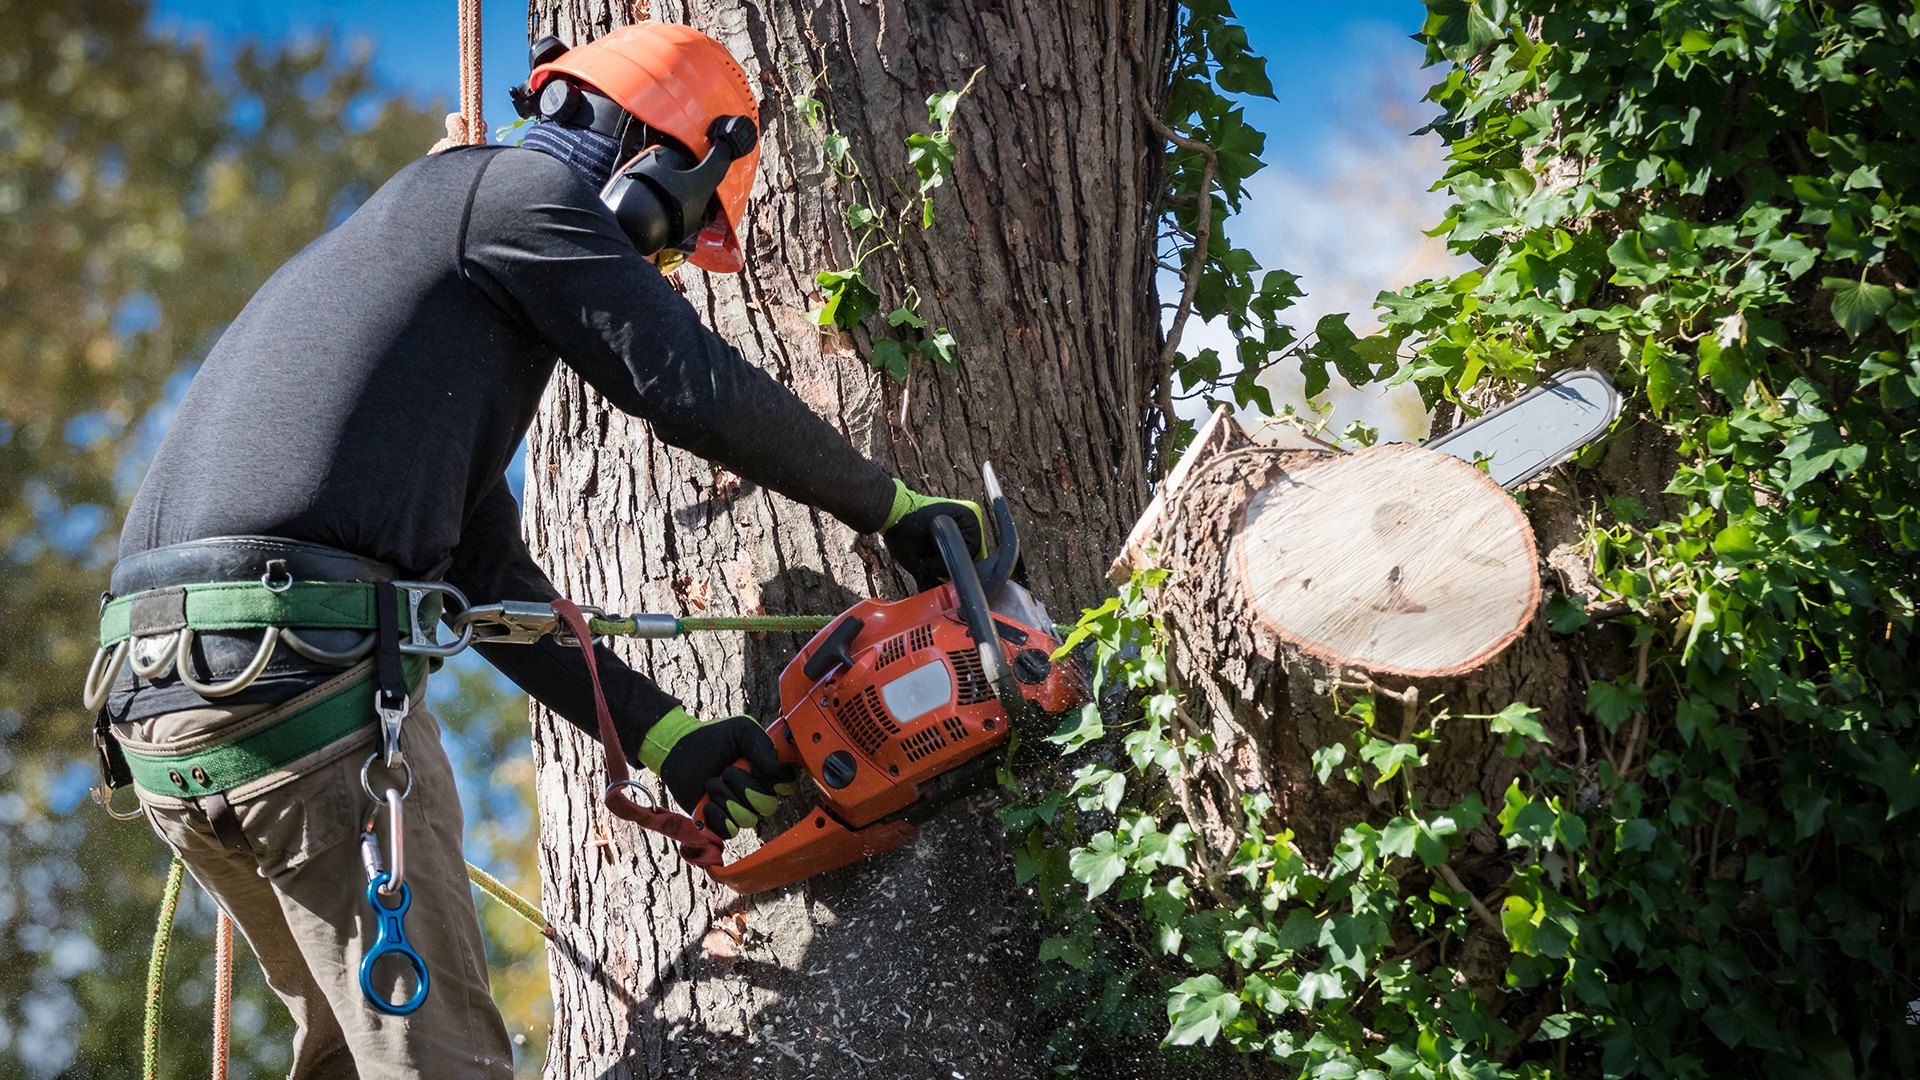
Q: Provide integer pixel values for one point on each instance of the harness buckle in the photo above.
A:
(420, 638)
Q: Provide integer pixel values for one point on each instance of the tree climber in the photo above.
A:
(262, 679)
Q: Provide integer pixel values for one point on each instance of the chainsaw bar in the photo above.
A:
(1537, 430)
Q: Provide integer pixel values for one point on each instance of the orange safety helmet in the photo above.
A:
(678, 81)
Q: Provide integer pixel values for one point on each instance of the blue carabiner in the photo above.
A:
(392, 938)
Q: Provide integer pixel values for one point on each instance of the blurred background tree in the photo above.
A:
(147, 187)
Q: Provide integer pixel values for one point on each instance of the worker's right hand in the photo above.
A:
(696, 758)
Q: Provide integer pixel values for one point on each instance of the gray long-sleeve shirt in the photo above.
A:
(371, 394)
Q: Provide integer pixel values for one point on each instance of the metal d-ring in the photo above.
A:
(164, 653)
(276, 583)
(366, 778)
(327, 656)
(183, 665)
(104, 796)
(101, 674)
(646, 797)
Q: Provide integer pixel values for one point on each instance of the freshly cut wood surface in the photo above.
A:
(1393, 559)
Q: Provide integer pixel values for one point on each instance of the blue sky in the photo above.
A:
(1342, 203)
(1315, 49)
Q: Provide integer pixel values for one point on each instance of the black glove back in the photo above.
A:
(910, 540)
(702, 762)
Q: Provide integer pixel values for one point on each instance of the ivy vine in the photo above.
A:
(851, 298)
(1715, 200)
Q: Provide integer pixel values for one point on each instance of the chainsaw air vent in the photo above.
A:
(955, 729)
(974, 687)
(920, 637)
(866, 723)
(894, 649)
(922, 742)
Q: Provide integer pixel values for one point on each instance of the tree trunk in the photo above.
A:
(915, 963)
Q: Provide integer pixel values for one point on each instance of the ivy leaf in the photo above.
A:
(1856, 304)
(1099, 864)
(902, 316)
(939, 346)
(837, 147)
(1634, 834)
(931, 157)
(1736, 543)
(1328, 758)
(809, 109)
(849, 299)
(1565, 614)
(1612, 702)
(1198, 1010)
(1071, 951)
(1397, 838)
(1632, 265)
(1080, 728)
(1662, 373)
(891, 357)
(861, 217)
(1390, 757)
(940, 108)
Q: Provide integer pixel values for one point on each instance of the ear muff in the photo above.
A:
(662, 196)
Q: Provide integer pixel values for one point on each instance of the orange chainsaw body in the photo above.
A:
(886, 699)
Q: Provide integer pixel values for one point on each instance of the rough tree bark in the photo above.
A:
(917, 963)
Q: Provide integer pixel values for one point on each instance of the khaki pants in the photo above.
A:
(282, 858)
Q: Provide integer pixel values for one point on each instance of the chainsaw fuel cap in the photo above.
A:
(838, 769)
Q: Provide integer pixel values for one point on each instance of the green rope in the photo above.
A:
(157, 966)
(618, 626)
(514, 902)
(798, 624)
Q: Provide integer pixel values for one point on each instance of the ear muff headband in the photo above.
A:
(661, 197)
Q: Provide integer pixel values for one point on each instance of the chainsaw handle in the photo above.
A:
(783, 745)
(995, 569)
(973, 608)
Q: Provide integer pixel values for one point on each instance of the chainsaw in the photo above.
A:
(893, 709)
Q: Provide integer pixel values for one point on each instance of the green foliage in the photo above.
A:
(1211, 67)
(1722, 197)
(1716, 870)
(849, 298)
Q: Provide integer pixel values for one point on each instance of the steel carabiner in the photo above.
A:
(390, 939)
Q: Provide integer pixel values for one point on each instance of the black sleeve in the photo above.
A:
(491, 563)
(541, 245)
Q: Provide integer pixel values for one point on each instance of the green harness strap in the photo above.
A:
(225, 766)
(244, 605)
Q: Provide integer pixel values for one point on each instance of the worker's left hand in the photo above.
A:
(909, 532)
(696, 758)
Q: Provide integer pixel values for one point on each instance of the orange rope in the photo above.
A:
(472, 110)
(222, 995)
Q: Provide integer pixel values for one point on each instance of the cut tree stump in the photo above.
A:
(1296, 576)
(1390, 560)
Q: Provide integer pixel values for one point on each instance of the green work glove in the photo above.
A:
(695, 757)
(909, 532)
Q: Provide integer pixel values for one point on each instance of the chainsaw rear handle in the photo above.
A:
(782, 745)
